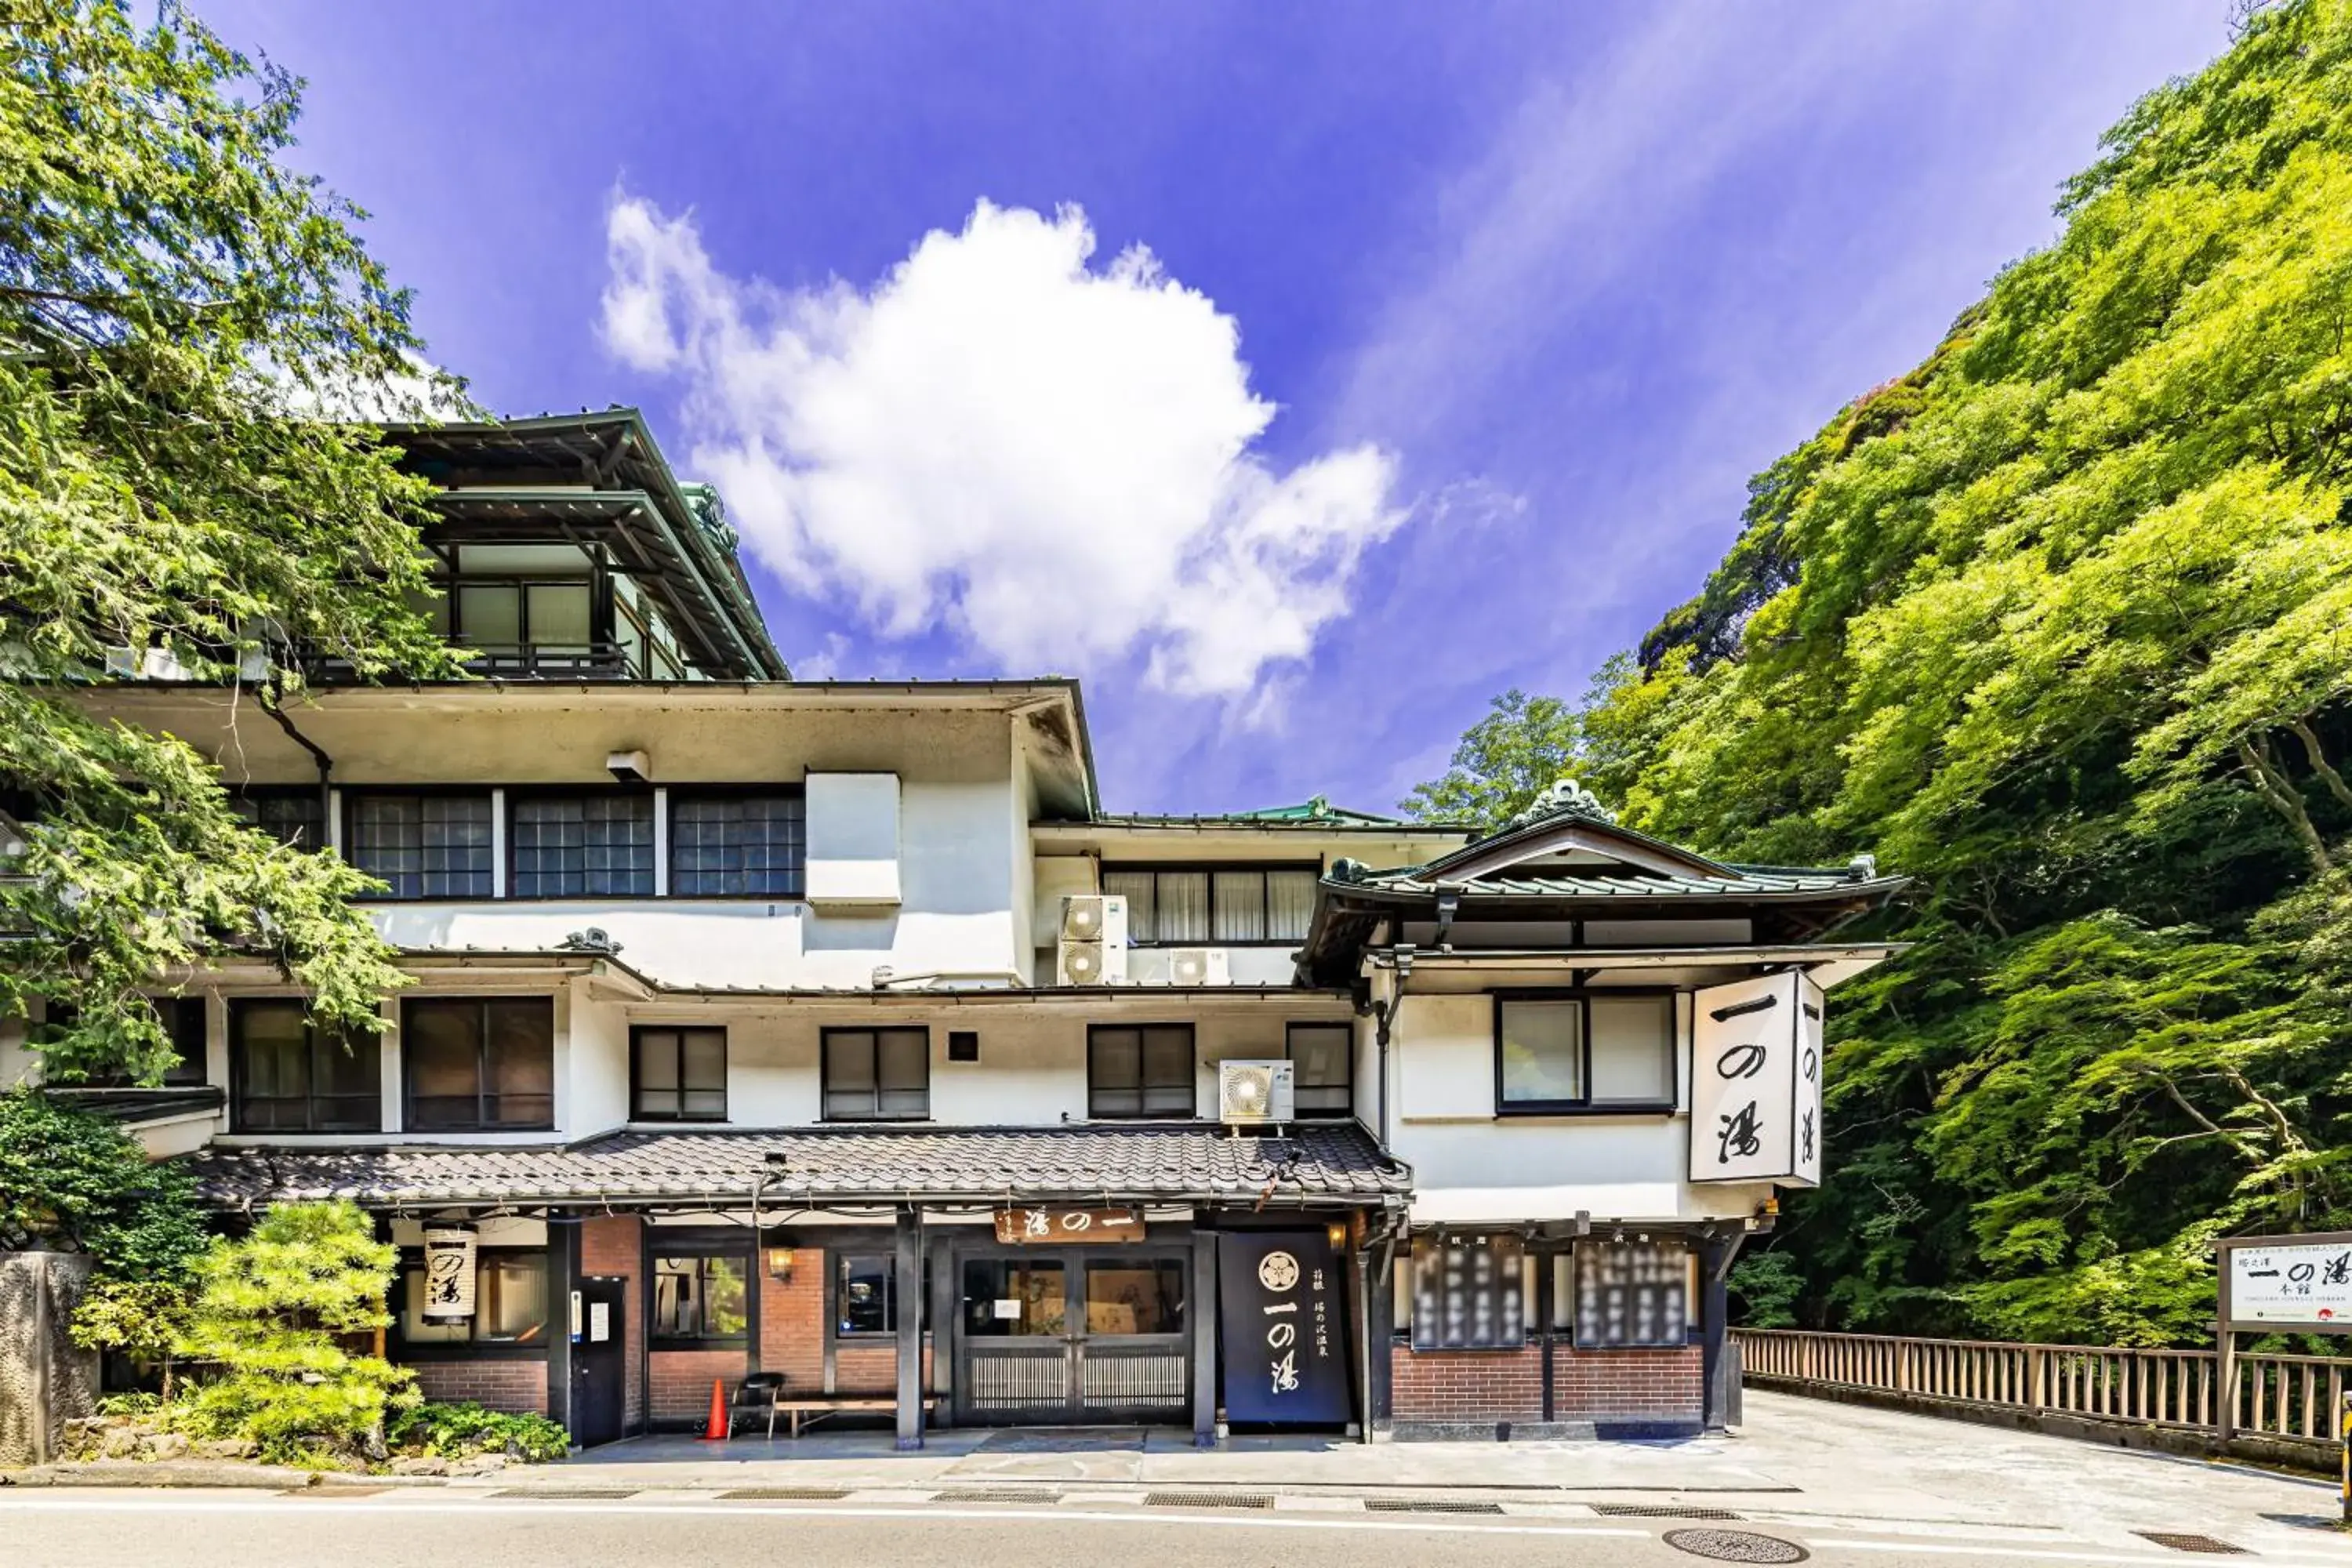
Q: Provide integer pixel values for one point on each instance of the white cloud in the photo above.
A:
(1058, 459)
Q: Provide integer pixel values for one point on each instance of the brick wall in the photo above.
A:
(1631, 1385)
(1467, 1386)
(514, 1385)
(681, 1383)
(791, 1321)
(613, 1245)
(1587, 1386)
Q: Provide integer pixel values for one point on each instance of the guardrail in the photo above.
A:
(2287, 1397)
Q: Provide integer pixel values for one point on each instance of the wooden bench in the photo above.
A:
(795, 1407)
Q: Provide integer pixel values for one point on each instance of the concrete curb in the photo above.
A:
(177, 1473)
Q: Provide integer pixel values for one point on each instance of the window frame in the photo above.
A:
(1154, 868)
(347, 839)
(408, 1096)
(518, 798)
(827, 1039)
(737, 1245)
(1142, 1086)
(837, 1261)
(1586, 1105)
(471, 1348)
(637, 1112)
(255, 797)
(1290, 1054)
(239, 1008)
(797, 891)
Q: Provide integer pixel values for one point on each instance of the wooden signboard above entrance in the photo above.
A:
(1065, 1228)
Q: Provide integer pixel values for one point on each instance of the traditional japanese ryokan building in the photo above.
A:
(834, 1035)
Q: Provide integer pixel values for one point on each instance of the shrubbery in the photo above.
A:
(459, 1431)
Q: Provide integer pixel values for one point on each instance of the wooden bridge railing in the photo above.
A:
(2284, 1396)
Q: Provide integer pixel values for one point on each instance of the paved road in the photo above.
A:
(70, 1528)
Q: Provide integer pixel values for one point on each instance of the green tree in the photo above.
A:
(1503, 762)
(175, 310)
(272, 1316)
(2060, 623)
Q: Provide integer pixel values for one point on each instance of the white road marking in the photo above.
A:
(2057, 1554)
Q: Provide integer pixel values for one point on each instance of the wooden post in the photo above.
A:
(1205, 1340)
(910, 1297)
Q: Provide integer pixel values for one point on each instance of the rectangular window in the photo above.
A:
(1634, 1293)
(677, 1074)
(1469, 1292)
(876, 1075)
(479, 1065)
(289, 1075)
(581, 846)
(1594, 1052)
(423, 845)
(701, 1298)
(509, 1303)
(293, 816)
(1014, 1298)
(1140, 1071)
(182, 1018)
(1124, 1297)
(1322, 1068)
(737, 846)
(865, 1299)
(1228, 906)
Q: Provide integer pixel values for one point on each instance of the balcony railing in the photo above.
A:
(571, 661)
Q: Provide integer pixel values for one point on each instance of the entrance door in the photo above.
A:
(600, 1363)
(1076, 1337)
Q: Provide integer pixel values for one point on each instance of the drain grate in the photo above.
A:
(997, 1494)
(1208, 1499)
(1658, 1511)
(2183, 1541)
(788, 1494)
(1429, 1505)
(571, 1494)
(1736, 1546)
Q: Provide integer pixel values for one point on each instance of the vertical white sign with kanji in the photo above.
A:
(1812, 1066)
(449, 1273)
(1746, 1091)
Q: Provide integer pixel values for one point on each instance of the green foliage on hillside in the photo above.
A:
(2061, 623)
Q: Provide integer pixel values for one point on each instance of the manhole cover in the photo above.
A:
(1429, 1505)
(1735, 1546)
(997, 1494)
(1209, 1500)
(2181, 1541)
(1657, 1510)
(789, 1494)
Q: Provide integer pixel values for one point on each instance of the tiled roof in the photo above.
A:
(1745, 882)
(1333, 1163)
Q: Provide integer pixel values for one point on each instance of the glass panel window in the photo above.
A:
(293, 816)
(701, 1298)
(509, 1303)
(490, 616)
(723, 846)
(1125, 1297)
(423, 845)
(680, 1075)
(1238, 905)
(1140, 1071)
(1135, 887)
(876, 1075)
(289, 1075)
(864, 1294)
(1183, 907)
(1321, 1073)
(1632, 1047)
(478, 1065)
(1014, 1298)
(556, 616)
(182, 1018)
(1542, 1046)
(1289, 904)
(575, 846)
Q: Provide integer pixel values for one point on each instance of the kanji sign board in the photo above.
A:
(1756, 1081)
(2287, 1281)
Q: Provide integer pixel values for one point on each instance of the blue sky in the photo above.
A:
(1460, 330)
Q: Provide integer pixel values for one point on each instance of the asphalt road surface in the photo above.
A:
(78, 1528)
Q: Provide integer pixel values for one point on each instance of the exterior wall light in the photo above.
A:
(780, 1264)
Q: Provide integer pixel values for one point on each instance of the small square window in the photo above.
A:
(963, 1045)
(701, 1298)
(677, 1074)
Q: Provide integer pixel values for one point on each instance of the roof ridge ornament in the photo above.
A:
(1564, 797)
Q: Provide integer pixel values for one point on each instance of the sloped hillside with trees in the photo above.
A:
(2061, 623)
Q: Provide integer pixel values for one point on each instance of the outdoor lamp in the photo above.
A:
(1337, 1232)
(780, 1264)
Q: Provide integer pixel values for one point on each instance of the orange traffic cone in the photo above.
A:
(716, 1432)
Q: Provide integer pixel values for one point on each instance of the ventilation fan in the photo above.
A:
(1092, 917)
(1253, 1092)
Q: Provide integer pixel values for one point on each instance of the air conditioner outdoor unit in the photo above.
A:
(1089, 963)
(1249, 1093)
(1095, 917)
(1200, 967)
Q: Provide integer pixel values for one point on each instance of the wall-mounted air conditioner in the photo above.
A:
(1089, 963)
(1093, 946)
(1250, 1093)
(1095, 917)
(1200, 967)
